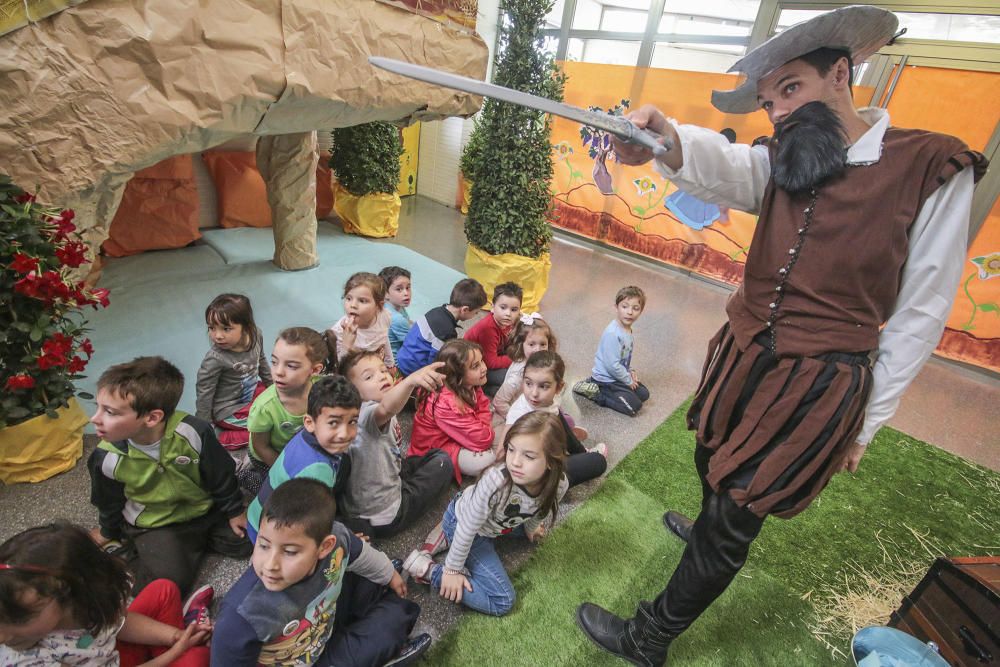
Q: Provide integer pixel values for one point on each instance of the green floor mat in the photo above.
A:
(158, 299)
(908, 503)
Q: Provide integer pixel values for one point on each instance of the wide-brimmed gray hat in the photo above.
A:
(860, 30)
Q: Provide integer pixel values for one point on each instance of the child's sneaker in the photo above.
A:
(412, 650)
(600, 448)
(581, 433)
(418, 565)
(196, 608)
(587, 388)
(436, 541)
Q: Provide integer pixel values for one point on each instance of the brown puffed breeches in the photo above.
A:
(779, 427)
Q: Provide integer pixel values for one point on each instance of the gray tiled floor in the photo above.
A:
(949, 406)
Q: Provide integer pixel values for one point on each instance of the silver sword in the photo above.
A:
(621, 127)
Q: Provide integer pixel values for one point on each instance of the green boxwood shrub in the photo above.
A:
(508, 157)
(366, 158)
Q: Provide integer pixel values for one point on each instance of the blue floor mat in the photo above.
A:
(158, 299)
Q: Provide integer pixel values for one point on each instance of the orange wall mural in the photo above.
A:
(636, 209)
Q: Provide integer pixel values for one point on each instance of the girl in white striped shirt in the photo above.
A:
(517, 495)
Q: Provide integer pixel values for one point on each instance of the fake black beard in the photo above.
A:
(809, 147)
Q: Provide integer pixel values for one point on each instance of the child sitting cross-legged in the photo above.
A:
(315, 594)
(159, 477)
(492, 333)
(234, 371)
(439, 325)
(388, 490)
(518, 496)
(365, 324)
(64, 601)
(298, 356)
(456, 417)
(532, 335)
(398, 291)
(613, 382)
(318, 450)
(541, 386)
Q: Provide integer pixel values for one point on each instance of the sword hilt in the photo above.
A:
(626, 130)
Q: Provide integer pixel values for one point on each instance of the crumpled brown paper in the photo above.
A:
(103, 89)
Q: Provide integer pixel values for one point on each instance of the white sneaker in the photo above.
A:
(418, 565)
(436, 541)
(600, 448)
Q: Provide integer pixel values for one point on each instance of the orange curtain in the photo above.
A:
(967, 105)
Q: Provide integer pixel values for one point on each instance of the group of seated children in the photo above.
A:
(327, 470)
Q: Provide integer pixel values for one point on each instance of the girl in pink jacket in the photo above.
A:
(457, 418)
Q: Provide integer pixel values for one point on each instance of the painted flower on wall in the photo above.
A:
(988, 265)
(562, 150)
(644, 186)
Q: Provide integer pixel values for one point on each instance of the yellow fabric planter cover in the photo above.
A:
(491, 270)
(375, 215)
(465, 195)
(41, 447)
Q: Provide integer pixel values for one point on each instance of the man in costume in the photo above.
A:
(860, 224)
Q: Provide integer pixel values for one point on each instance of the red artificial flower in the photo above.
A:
(76, 365)
(47, 361)
(20, 381)
(99, 296)
(58, 345)
(47, 287)
(25, 198)
(64, 223)
(87, 347)
(24, 263)
(28, 286)
(72, 254)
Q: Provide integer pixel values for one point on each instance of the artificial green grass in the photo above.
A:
(908, 502)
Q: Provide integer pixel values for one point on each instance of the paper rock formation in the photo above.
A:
(108, 87)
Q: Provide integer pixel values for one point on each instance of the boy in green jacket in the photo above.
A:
(159, 477)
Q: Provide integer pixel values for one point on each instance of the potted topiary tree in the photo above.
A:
(365, 160)
(42, 343)
(508, 160)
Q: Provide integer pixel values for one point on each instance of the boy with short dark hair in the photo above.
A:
(318, 450)
(398, 291)
(439, 325)
(388, 490)
(314, 593)
(614, 383)
(159, 477)
(492, 333)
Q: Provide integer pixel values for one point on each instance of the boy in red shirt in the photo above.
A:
(493, 333)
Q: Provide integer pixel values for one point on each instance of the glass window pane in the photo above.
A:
(700, 25)
(554, 18)
(709, 17)
(951, 27)
(550, 44)
(696, 57)
(587, 15)
(789, 17)
(574, 50)
(618, 19)
(610, 52)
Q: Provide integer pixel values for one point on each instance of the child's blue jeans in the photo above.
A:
(492, 593)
